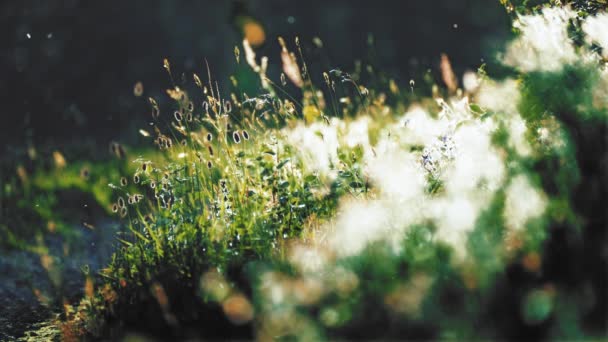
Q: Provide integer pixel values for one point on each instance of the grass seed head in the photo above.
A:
(84, 173)
(138, 89)
(227, 107)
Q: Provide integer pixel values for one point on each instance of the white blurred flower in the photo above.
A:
(397, 175)
(419, 128)
(477, 162)
(499, 97)
(317, 144)
(470, 81)
(522, 203)
(455, 217)
(358, 224)
(517, 135)
(543, 43)
(596, 28)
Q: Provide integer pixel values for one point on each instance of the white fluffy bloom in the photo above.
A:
(419, 128)
(455, 217)
(499, 97)
(522, 203)
(397, 175)
(317, 144)
(543, 44)
(359, 224)
(357, 133)
(503, 98)
(596, 29)
(517, 135)
(470, 81)
(477, 162)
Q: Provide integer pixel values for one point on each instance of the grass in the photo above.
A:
(331, 214)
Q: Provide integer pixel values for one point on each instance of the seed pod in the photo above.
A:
(190, 106)
(245, 135)
(123, 212)
(121, 202)
(227, 107)
(209, 137)
(144, 167)
(152, 184)
(136, 179)
(84, 173)
(115, 207)
(123, 181)
(209, 164)
(177, 115)
(210, 150)
(236, 137)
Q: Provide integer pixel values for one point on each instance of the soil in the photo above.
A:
(31, 295)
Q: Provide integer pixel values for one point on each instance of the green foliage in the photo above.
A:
(584, 7)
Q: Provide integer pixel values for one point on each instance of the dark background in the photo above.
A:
(73, 78)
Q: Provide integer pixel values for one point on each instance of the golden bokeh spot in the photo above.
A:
(238, 309)
(254, 33)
